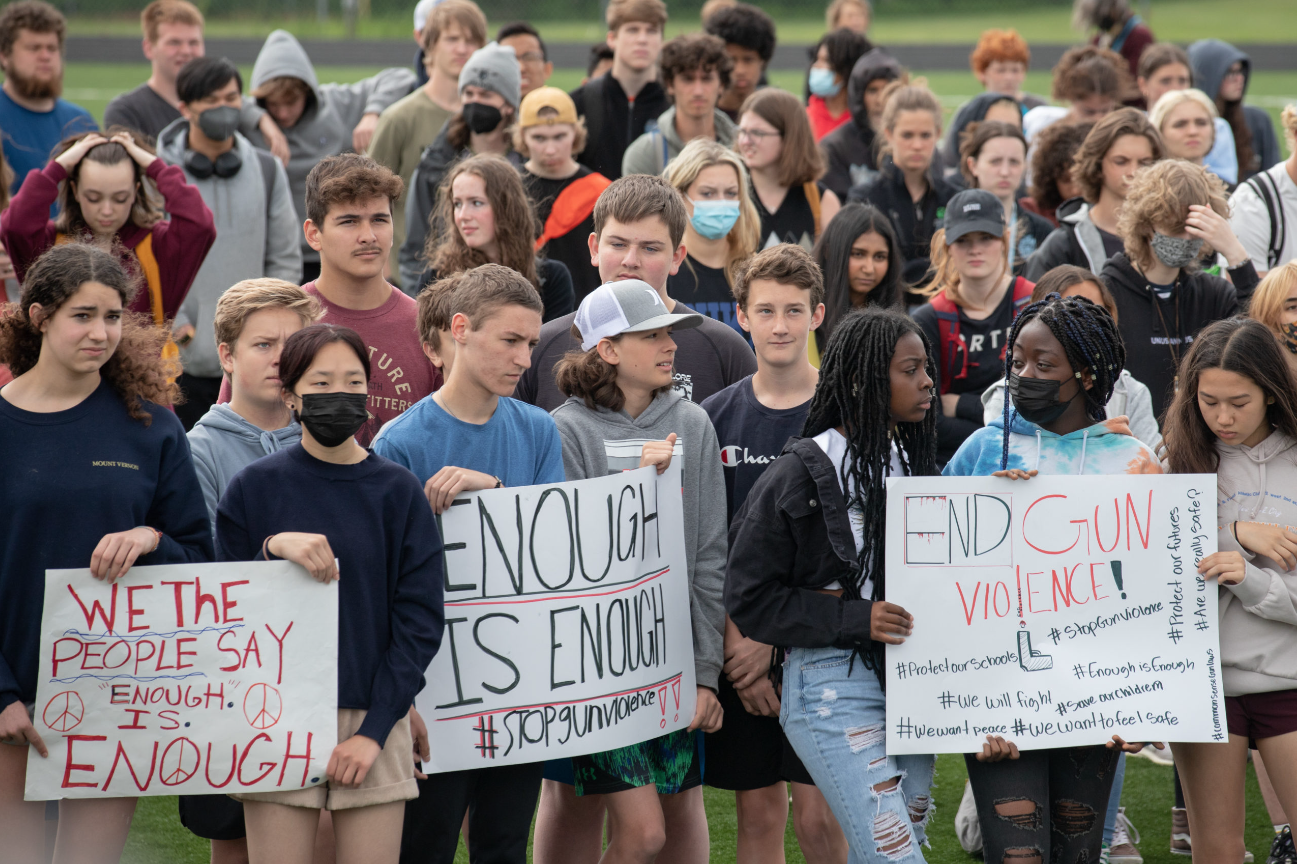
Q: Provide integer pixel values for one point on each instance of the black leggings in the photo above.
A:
(1047, 805)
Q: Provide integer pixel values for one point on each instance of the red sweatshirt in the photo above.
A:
(179, 244)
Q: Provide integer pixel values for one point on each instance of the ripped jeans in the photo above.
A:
(1047, 805)
(836, 724)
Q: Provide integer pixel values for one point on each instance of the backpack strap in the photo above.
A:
(1275, 215)
(268, 172)
(1022, 289)
(951, 352)
(812, 191)
(572, 206)
(593, 91)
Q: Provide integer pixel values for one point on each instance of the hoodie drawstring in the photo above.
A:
(1082, 468)
(1037, 467)
(269, 443)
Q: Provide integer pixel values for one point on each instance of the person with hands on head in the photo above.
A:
(105, 189)
(1233, 416)
(345, 515)
(806, 573)
(105, 480)
(1065, 358)
(619, 389)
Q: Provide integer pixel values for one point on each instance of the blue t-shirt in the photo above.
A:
(751, 436)
(29, 136)
(519, 444)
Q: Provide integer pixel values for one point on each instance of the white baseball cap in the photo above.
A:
(629, 306)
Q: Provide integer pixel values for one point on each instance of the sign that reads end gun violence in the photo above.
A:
(567, 622)
(1057, 611)
(185, 679)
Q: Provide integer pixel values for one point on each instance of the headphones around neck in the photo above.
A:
(225, 166)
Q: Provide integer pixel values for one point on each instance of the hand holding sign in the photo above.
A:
(17, 728)
(116, 553)
(1226, 567)
(310, 551)
(889, 618)
(450, 482)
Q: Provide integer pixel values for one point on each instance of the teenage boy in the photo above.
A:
(779, 296)
(695, 70)
(257, 229)
(489, 97)
(317, 120)
(468, 436)
(1114, 150)
(534, 64)
(639, 230)
(549, 135)
(619, 105)
(453, 31)
(749, 34)
(32, 115)
(349, 222)
(173, 35)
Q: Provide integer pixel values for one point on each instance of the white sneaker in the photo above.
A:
(1122, 849)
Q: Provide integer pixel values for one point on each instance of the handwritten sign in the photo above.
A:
(185, 679)
(1056, 612)
(567, 622)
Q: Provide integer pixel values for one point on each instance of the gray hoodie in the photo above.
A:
(254, 238)
(592, 444)
(222, 444)
(1257, 615)
(332, 111)
(650, 153)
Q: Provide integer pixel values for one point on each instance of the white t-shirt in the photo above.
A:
(1249, 220)
(835, 447)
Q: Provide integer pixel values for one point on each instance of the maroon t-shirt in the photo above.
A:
(400, 374)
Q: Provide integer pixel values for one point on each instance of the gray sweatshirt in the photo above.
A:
(591, 448)
(332, 111)
(254, 238)
(222, 444)
(1257, 615)
(650, 153)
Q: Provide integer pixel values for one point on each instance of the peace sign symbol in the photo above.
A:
(173, 774)
(64, 711)
(262, 706)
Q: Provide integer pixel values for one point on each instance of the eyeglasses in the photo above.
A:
(531, 57)
(1234, 73)
(756, 134)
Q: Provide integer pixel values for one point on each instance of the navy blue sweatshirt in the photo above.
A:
(70, 477)
(389, 553)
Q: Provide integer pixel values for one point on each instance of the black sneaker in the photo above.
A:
(1282, 848)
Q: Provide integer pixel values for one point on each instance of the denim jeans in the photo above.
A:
(836, 724)
(1115, 799)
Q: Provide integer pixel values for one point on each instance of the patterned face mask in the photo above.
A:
(1175, 251)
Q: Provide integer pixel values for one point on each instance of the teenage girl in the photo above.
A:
(861, 262)
(98, 474)
(1234, 417)
(806, 573)
(1065, 358)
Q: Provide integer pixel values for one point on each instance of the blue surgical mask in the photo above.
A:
(714, 219)
(821, 83)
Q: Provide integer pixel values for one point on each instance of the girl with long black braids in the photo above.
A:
(1066, 356)
(806, 572)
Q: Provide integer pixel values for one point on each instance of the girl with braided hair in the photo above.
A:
(806, 572)
(1065, 359)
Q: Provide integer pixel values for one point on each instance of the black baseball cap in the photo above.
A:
(973, 210)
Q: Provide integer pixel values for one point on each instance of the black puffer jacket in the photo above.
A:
(849, 149)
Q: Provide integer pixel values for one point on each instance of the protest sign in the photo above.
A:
(567, 622)
(186, 679)
(1056, 611)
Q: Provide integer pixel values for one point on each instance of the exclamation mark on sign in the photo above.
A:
(1116, 567)
(662, 704)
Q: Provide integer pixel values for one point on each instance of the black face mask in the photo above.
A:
(332, 418)
(481, 118)
(1037, 399)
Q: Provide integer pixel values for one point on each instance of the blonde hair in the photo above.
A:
(1172, 98)
(161, 12)
(242, 299)
(681, 173)
(621, 12)
(942, 267)
(1161, 195)
(465, 13)
(1271, 293)
(835, 11)
(1289, 121)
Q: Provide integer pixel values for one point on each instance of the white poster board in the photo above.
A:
(567, 622)
(1057, 611)
(185, 679)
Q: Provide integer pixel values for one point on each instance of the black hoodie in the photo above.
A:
(1155, 342)
(621, 120)
(849, 149)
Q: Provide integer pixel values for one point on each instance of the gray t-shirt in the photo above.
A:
(141, 109)
(709, 358)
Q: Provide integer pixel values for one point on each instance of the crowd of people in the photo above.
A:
(308, 316)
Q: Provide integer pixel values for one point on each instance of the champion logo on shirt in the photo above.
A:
(733, 455)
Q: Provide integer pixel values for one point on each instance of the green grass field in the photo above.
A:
(157, 838)
(1177, 20)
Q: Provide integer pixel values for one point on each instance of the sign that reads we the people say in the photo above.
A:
(185, 679)
(567, 622)
(1056, 611)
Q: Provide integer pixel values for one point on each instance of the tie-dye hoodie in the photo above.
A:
(1102, 448)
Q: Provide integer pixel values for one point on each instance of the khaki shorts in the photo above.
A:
(390, 778)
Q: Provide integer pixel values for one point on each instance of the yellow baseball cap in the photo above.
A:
(546, 97)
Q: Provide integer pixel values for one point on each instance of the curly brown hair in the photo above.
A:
(136, 371)
(146, 210)
(30, 15)
(589, 377)
(1052, 161)
(1088, 70)
(1159, 198)
(515, 218)
(696, 52)
(346, 179)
